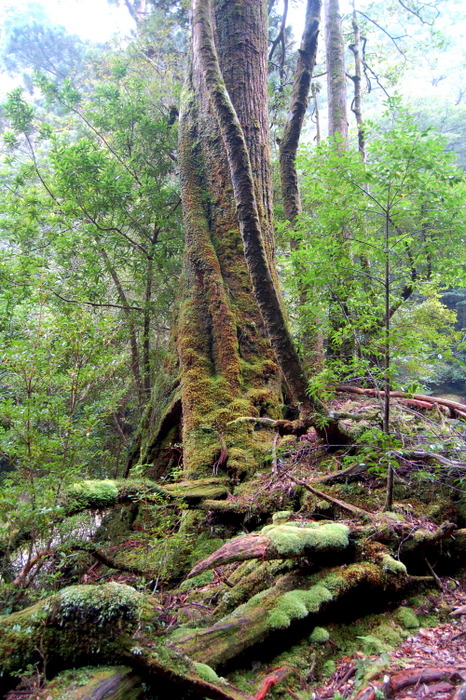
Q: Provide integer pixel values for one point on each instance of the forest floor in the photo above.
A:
(397, 643)
(433, 659)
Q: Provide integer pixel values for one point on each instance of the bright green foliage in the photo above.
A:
(290, 538)
(89, 269)
(392, 224)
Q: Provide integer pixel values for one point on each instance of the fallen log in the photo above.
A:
(457, 409)
(101, 494)
(112, 683)
(290, 540)
(293, 597)
(107, 623)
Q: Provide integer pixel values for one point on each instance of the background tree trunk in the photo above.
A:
(336, 76)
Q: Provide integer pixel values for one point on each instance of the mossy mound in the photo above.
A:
(293, 538)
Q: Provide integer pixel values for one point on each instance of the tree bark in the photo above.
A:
(356, 105)
(336, 76)
(298, 107)
(233, 340)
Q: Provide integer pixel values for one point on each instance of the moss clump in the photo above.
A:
(290, 538)
(296, 605)
(96, 494)
(393, 566)
(319, 635)
(279, 620)
(407, 618)
(98, 605)
(197, 581)
(206, 673)
(281, 517)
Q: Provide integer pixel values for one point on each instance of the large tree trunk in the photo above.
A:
(233, 339)
(226, 363)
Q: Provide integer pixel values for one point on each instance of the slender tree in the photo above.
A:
(336, 76)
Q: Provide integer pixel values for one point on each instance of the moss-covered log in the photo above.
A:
(91, 683)
(101, 494)
(79, 622)
(295, 539)
(293, 597)
(111, 622)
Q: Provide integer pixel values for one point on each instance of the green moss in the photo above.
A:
(407, 618)
(281, 517)
(197, 581)
(297, 604)
(93, 493)
(97, 605)
(279, 620)
(328, 668)
(389, 634)
(290, 538)
(206, 673)
(77, 620)
(372, 645)
(319, 635)
(393, 566)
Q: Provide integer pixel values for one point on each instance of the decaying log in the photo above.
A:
(294, 596)
(95, 494)
(411, 676)
(148, 663)
(456, 409)
(295, 539)
(117, 683)
(106, 623)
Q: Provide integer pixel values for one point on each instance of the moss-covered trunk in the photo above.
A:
(227, 366)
